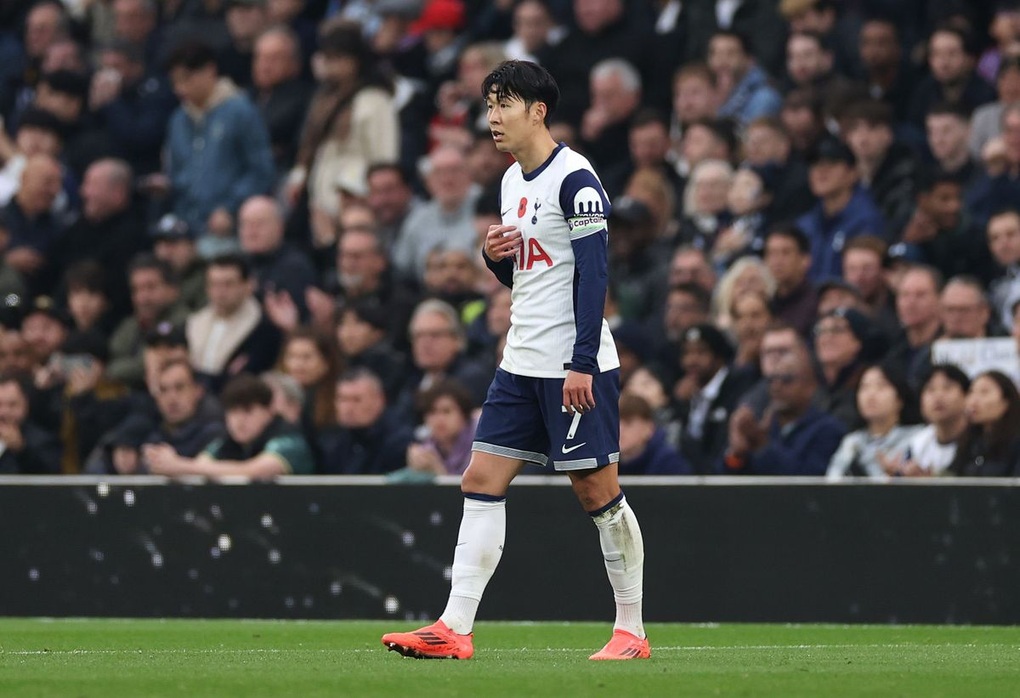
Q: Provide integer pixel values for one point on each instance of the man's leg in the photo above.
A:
(623, 551)
(482, 534)
(478, 551)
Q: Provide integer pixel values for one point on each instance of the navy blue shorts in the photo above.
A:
(524, 418)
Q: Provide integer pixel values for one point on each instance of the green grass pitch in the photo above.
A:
(149, 658)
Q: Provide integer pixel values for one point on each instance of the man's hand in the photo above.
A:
(577, 394)
(920, 228)
(746, 433)
(162, 459)
(25, 260)
(321, 306)
(82, 379)
(502, 241)
(423, 458)
(281, 310)
(11, 435)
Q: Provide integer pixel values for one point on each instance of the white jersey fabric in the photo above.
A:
(559, 202)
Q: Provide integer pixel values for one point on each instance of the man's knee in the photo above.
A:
(489, 474)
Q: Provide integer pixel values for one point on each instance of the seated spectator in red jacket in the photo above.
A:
(644, 448)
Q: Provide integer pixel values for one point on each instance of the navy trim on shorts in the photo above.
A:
(479, 497)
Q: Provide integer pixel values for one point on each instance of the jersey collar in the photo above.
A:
(541, 168)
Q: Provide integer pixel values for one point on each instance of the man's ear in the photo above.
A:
(539, 110)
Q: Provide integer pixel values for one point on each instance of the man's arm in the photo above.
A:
(163, 460)
(809, 457)
(501, 244)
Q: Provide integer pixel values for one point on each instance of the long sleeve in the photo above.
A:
(254, 150)
(806, 453)
(503, 269)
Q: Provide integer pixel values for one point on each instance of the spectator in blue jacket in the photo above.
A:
(745, 90)
(217, 151)
(844, 210)
(644, 448)
(795, 437)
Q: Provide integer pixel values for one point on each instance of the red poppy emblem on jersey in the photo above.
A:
(522, 207)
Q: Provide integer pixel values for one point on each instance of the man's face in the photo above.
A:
(786, 262)
(776, 346)
(691, 268)
(273, 62)
(879, 46)
(354, 335)
(260, 230)
(245, 424)
(700, 361)
(726, 57)
(648, 144)
(178, 252)
(42, 26)
(15, 353)
(835, 342)
(100, 194)
(155, 358)
(964, 312)
(359, 403)
(1008, 85)
(594, 15)
(37, 141)
(434, 344)
(245, 22)
(13, 404)
(943, 204)
(700, 144)
(610, 95)
(831, 177)
(150, 294)
(1004, 238)
(43, 334)
(863, 269)
(226, 289)
(193, 86)
(448, 180)
(791, 387)
(869, 142)
(947, 136)
(763, 145)
(948, 61)
(177, 395)
(388, 196)
(693, 98)
(806, 60)
(750, 318)
(64, 106)
(917, 300)
(532, 24)
(132, 21)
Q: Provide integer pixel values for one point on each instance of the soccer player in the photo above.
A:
(557, 389)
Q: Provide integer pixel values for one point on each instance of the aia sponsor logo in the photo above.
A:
(532, 253)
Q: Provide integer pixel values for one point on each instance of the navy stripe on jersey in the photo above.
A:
(585, 207)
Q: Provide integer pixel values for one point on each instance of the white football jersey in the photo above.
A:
(561, 201)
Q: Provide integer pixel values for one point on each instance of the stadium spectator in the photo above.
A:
(34, 228)
(788, 258)
(288, 396)
(952, 78)
(826, 19)
(361, 333)
(694, 98)
(64, 94)
(173, 242)
(279, 91)
(44, 327)
(885, 403)
(446, 218)
(708, 394)
(705, 204)
(311, 358)
(88, 301)
(990, 447)
(368, 436)
(137, 22)
(28, 448)
(648, 146)
(154, 298)
(964, 309)
(448, 427)
(843, 209)
(886, 169)
(615, 89)
(534, 31)
(986, 122)
(744, 90)
(133, 103)
(844, 341)
(801, 116)
(245, 21)
(948, 129)
(637, 264)
(108, 231)
(231, 334)
(746, 274)
(644, 448)
(917, 309)
(796, 438)
(15, 354)
(1004, 244)
(391, 199)
(933, 448)
(258, 445)
(438, 347)
(751, 317)
(809, 63)
(351, 122)
(885, 72)
(38, 133)
(217, 148)
(282, 271)
(863, 268)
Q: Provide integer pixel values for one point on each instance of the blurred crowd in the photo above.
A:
(244, 236)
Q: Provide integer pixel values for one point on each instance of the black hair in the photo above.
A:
(395, 167)
(234, 261)
(896, 377)
(86, 275)
(703, 297)
(1001, 433)
(246, 391)
(147, 260)
(793, 232)
(649, 115)
(950, 372)
(743, 39)
(191, 55)
(943, 108)
(453, 389)
(523, 80)
(67, 82)
(872, 112)
(931, 177)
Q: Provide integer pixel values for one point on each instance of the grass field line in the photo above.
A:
(520, 650)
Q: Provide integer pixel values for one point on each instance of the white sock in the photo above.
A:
(479, 548)
(623, 550)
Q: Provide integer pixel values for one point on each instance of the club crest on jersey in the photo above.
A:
(522, 207)
(534, 219)
(589, 212)
(532, 253)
